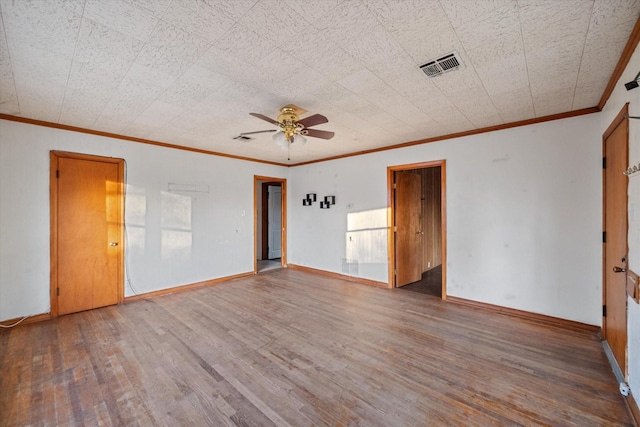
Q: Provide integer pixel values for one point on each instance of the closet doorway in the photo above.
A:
(615, 153)
(269, 223)
(87, 218)
(417, 227)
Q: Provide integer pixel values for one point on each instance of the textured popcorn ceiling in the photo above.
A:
(189, 72)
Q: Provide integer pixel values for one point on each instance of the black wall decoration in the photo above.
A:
(308, 201)
(324, 204)
(328, 201)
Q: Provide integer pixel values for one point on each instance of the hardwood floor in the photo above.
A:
(293, 348)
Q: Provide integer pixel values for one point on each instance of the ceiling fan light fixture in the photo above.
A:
(281, 140)
(299, 140)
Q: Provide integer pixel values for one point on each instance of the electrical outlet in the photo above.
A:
(624, 389)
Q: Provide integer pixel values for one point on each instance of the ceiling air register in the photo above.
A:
(442, 65)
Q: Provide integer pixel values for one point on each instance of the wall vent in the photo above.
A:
(242, 138)
(444, 64)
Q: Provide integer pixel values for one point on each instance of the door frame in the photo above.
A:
(53, 214)
(257, 187)
(391, 244)
(620, 120)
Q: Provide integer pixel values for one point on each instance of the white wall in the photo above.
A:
(618, 98)
(175, 238)
(523, 216)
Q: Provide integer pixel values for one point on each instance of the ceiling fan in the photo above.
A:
(292, 128)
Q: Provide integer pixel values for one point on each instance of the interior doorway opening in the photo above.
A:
(417, 237)
(269, 223)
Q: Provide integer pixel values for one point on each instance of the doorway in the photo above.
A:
(615, 149)
(417, 227)
(87, 213)
(269, 223)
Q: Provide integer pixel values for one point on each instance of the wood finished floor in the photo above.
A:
(292, 348)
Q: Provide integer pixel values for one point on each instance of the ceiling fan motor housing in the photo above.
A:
(288, 121)
(288, 114)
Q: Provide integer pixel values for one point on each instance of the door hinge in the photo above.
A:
(604, 163)
(395, 229)
(395, 186)
(58, 292)
(57, 173)
(604, 237)
(604, 311)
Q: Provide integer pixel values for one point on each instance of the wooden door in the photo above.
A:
(87, 205)
(275, 221)
(408, 231)
(615, 239)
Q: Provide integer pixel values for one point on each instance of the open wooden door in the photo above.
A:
(87, 232)
(616, 147)
(408, 232)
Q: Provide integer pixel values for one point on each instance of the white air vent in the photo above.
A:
(242, 138)
(436, 67)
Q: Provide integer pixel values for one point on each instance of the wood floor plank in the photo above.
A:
(290, 348)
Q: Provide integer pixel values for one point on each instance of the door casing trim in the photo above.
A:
(257, 187)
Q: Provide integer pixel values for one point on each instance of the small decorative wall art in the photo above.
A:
(309, 199)
(328, 201)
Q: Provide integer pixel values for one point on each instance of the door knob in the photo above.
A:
(113, 243)
(619, 270)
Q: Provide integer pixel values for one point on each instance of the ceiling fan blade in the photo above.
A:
(316, 119)
(265, 118)
(258, 131)
(316, 133)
